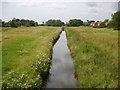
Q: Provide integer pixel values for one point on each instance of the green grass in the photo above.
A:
(26, 55)
(95, 54)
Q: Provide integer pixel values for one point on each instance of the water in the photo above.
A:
(62, 70)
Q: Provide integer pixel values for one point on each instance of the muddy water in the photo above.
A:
(62, 70)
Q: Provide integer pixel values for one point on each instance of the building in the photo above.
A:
(99, 23)
(93, 24)
(107, 23)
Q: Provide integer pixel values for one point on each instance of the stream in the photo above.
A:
(62, 69)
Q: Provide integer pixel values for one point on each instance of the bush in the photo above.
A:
(75, 22)
(86, 24)
(54, 23)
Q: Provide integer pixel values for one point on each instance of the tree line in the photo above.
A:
(19, 22)
(114, 22)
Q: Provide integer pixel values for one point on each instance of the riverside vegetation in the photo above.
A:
(27, 52)
(95, 54)
(27, 55)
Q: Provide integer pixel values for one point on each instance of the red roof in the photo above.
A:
(92, 23)
(107, 23)
(99, 22)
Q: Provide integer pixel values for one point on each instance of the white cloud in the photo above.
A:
(42, 11)
(92, 4)
(107, 7)
(54, 5)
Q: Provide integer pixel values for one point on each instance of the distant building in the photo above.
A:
(99, 23)
(93, 24)
(107, 23)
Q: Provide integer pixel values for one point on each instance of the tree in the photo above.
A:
(102, 25)
(106, 20)
(7, 24)
(17, 22)
(75, 22)
(89, 21)
(13, 23)
(42, 24)
(54, 23)
(86, 24)
(115, 22)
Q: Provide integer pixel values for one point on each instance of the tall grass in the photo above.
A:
(27, 55)
(95, 54)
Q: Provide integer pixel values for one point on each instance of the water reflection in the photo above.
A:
(62, 70)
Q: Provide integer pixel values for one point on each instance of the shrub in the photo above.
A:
(55, 23)
(75, 22)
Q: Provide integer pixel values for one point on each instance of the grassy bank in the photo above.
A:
(26, 55)
(95, 54)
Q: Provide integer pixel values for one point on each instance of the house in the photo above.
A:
(93, 24)
(107, 23)
(98, 23)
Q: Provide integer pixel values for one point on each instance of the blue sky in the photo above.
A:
(42, 10)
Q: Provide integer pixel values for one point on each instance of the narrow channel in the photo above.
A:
(62, 69)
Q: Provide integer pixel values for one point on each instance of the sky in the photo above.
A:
(42, 10)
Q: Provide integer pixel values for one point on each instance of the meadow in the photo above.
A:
(95, 54)
(26, 55)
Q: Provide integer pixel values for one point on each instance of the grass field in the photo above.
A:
(95, 54)
(27, 55)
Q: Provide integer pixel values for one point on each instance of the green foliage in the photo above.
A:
(106, 20)
(54, 23)
(115, 22)
(28, 23)
(15, 79)
(75, 22)
(27, 55)
(89, 21)
(13, 23)
(17, 23)
(86, 24)
(95, 54)
(6, 24)
(43, 24)
(42, 66)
